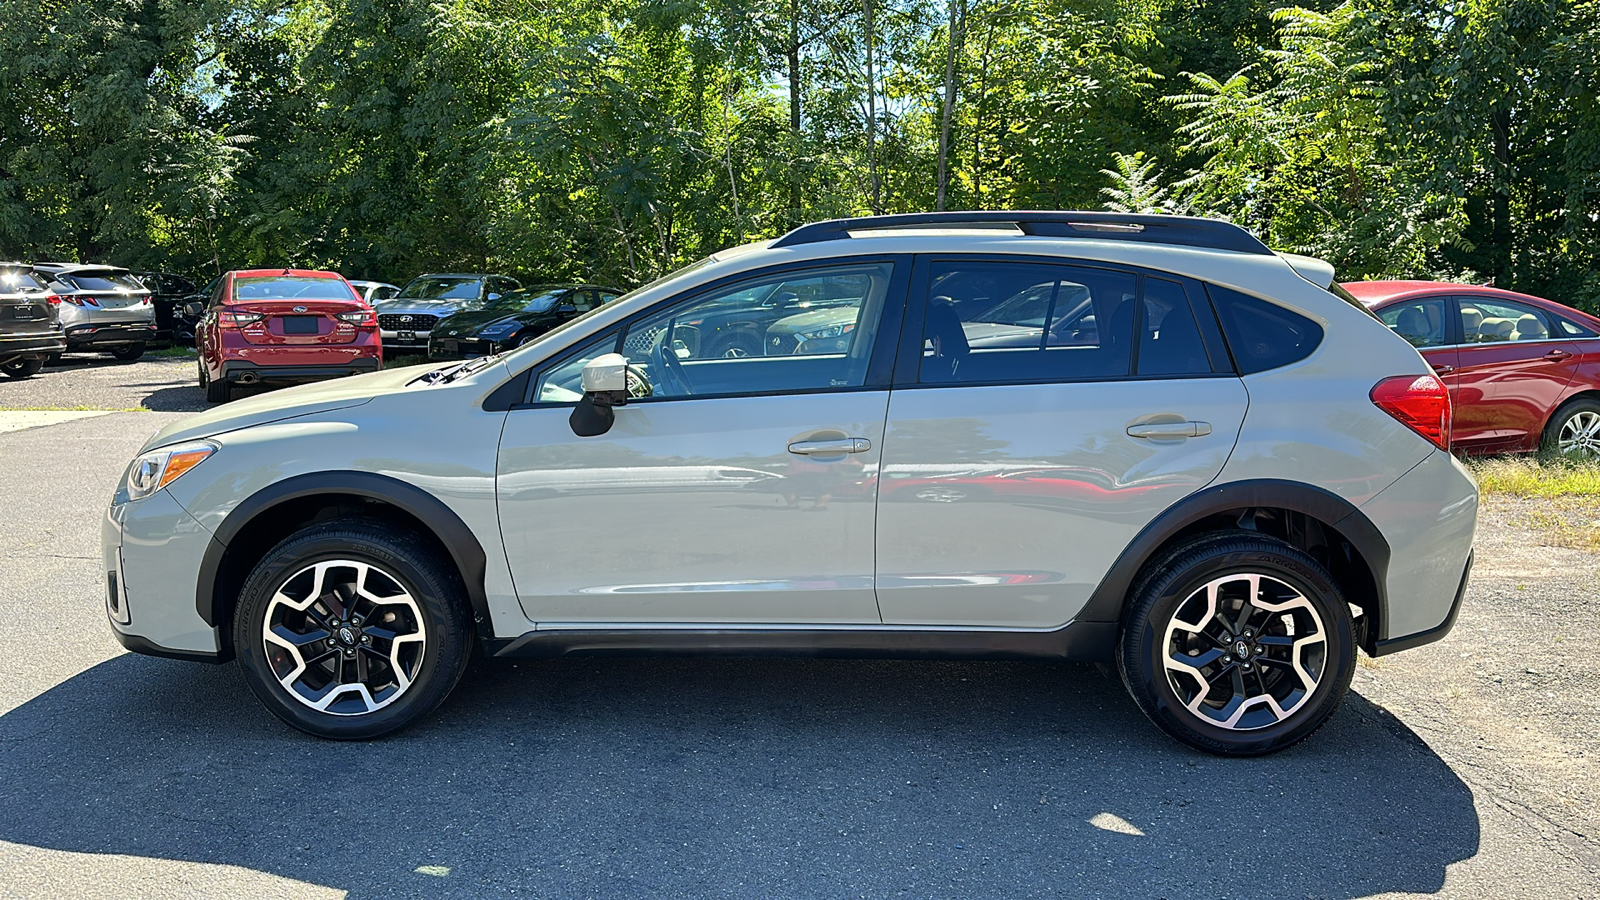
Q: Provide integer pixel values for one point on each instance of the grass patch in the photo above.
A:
(1536, 476)
(79, 408)
(170, 353)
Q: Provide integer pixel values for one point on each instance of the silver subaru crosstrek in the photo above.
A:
(1147, 441)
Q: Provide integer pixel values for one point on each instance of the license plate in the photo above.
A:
(406, 336)
(300, 324)
(450, 346)
(26, 312)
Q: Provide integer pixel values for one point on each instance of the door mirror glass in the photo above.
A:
(194, 309)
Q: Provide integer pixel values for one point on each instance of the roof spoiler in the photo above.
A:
(1317, 271)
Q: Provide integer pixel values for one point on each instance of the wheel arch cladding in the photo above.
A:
(278, 510)
(1325, 525)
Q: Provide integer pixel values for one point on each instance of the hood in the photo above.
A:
(816, 318)
(470, 323)
(289, 403)
(432, 307)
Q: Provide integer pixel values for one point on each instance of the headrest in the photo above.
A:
(1413, 322)
(1529, 328)
(1471, 318)
(1497, 329)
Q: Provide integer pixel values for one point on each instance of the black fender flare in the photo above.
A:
(457, 538)
(1107, 602)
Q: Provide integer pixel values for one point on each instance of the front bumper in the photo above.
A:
(81, 337)
(150, 550)
(462, 348)
(239, 370)
(392, 342)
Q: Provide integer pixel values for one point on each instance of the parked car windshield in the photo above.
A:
(437, 287)
(101, 281)
(531, 300)
(290, 287)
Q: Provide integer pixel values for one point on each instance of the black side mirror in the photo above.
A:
(605, 385)
(194, 309)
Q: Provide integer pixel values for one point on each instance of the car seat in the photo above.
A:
(1471, 321)
(1496, 329)
(1529, 328)
(1413, 325)
(949, 339)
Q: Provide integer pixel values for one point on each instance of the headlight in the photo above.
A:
(828, 331)
(499, 329)
(159, 468)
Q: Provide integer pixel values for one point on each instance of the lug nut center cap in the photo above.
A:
(348, 635)
(1241, 649)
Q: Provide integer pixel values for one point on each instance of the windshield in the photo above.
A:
(527, 300)
(289, 287)
(101, 281)
(442, 287)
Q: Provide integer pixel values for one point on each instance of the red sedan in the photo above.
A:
(1522, 371)
(284, 326)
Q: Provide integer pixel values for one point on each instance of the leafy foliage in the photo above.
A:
(617, 139)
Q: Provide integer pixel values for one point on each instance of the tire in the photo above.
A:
(1577, 426)
(128, 352)
(26, 367)
(216, 391)
(412, 595)
(52, 358)
(1273, 710)
(738, 345)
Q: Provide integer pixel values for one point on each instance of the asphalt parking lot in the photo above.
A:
(1466, 769)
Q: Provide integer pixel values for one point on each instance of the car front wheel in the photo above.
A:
(1237, 644)
(352, 629)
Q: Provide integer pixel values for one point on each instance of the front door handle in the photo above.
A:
(1169, 430)
(1557, 355)
(1443, 369)
(837, 447)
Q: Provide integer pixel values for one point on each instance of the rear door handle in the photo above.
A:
(837, 447)
(1557, 355)
(1443, 369)
(1169, 430)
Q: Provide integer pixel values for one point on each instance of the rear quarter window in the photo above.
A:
(1262, 335)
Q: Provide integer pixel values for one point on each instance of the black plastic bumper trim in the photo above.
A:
(232, 369)
(1077, 642)
(145, 646)
(1409, 641)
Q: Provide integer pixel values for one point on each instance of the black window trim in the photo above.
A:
(908, 360)
(879, 364)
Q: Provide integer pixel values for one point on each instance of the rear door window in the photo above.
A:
(1170, 342)
(1262, 335)
(1485, 321)
(102, 281)
(1421, 322)
(995, 322)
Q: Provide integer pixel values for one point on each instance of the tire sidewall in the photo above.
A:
(444, 652)
(1142, 647)
(1552, 431)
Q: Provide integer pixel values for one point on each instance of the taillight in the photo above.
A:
(362, 317)
(230, 319)
(1419, 402)
(53, 299)
(73, 299)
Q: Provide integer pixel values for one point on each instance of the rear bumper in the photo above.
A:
(1407, 642)
(18, 345)
(84, 336)
(239, 370)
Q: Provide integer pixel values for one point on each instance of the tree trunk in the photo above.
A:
(872, 115)
(957, 29)
(977, 125)
(794, 113)
(1500, 200)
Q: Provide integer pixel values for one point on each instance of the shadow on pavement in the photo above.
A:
(746, 777)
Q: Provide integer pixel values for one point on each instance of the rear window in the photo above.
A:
(1263, 335)
(19, 281)
(290, 287)
(444, 288)
(101, 281)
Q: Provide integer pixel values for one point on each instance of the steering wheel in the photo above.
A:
(665, 361)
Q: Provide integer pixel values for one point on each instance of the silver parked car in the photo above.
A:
(406, 321)
(1143, 440)
(102, 308)
(29, 327)
(375, 291)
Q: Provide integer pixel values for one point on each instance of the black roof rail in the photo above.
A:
(1185, 231)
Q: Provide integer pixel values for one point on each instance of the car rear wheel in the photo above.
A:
(352, 629)
(216, 391)
(128, 352)
(26, 367)
(1238, 644)
(1575, 430)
